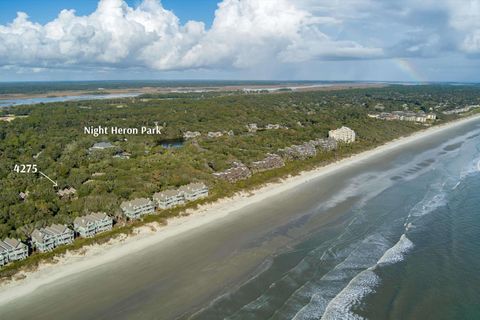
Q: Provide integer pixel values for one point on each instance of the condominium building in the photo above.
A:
(12, 250)
(272, 161)
(237, 172)
(168, 198)
(302, 152)
(137, 208)
(48, 238)
(325, 144)
(344, 134)
(191, 135)
(194, 191)
(172, 198)
(89, 225)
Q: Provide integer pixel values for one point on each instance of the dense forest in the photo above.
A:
(52, 137)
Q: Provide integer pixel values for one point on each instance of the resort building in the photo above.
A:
(12, 250)
(216, 134)
(101, 146)
(137, 208)
(344, 134)
(237, 172)
(272, 161)
(301, 152)
(172, 198)
(461, 110)
(48, 238)
(168, 199)
(194, 191)
(405, 116)
(191, 134)
(89, 225)
(325, 144)
(252, 127)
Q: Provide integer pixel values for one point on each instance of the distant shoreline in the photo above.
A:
(298, 87)
(150, 234)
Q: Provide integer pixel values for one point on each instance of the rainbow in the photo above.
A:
(410, 69)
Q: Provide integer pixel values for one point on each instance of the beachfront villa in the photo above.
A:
(271, 161)
(12, 250)
(137, 208)
(194, 191)
(168, 199)
(48, 238)
(302, 152)
(421, 116)
(237, 172)
(344, 134)
(89, 225)
(172, 198)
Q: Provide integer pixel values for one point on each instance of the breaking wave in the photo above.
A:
(340, 307)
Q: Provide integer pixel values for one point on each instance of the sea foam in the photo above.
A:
(397, 252)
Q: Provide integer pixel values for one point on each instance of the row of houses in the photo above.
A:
(461, 110)
(48, 238)
(253, 127)
(137, 208)
(239, 171)
(211, 134)
(421, 116)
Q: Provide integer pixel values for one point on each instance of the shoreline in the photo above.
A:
(174, 89)
(153, 233)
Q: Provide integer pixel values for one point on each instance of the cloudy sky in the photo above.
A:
(404, 40)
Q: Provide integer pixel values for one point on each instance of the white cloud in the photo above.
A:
(244, 33)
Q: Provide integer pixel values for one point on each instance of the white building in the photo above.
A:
(137, 208)
(194, 191)
(48, 238)
(213, 134)
(252, 127)
(343, 134)
(168, 199)
(191, 134)
(172, 198)
(12, 250)
(89, 225)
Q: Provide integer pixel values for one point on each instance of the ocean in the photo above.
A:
(410, 248)
(396, 236)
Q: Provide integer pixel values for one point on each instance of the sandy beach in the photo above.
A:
(153, 234)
